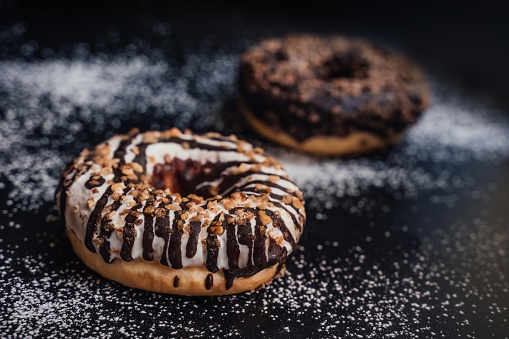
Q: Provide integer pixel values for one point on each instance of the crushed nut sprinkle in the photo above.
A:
(173, 207)
(264, 218)
(91, 202)
(117, 187)
(273, 178)
(127, 170)
(149, 210)
(216, 227)
(287, 199)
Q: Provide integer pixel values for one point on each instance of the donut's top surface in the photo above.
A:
(183, 200)
(331, 85)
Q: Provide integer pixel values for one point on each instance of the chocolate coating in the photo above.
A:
(310, 86)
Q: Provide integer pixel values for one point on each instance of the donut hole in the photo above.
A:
(281, 55)
(348, 65)
(181, 176)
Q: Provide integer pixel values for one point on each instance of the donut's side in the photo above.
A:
(155, 277)
(354, 143)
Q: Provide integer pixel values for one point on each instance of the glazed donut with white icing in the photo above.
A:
(180, 213)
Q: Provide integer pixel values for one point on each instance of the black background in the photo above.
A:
(464, 43)
(466, 40)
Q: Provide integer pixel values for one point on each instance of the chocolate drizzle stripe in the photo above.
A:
(120, 152)
(245, 237)
(276, 221)
(209, 281)
(259, 256)
(105, 232)
(276, 253)
(193, 144)
(279, 223)
(163, 230)
(129, 234)
(229, 182)
(94, 219)
(176, 281)
(295, 222)
(212, 253)
(141, 157)
(276, 198)
(232, 247)
(93, 183)
(148, 235)
(175, 243)
(269, 184)
(192, 242)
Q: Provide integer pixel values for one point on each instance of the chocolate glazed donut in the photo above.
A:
(330, 95)
(181, 213)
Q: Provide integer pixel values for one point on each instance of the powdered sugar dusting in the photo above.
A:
(345, 289)
(363, 268)
(65, 100)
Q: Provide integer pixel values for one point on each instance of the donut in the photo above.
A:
(181, 213)
(329, 95)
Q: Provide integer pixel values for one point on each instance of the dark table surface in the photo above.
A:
(410, 243)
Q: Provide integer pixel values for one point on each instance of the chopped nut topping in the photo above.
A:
(173, 207)
(174, 132)
(91, 202)
(117, 187)
(110, 215)
(241, 169)
(297, 203)
(216, 227)
(115, 196)
(149, 210)
(228, 203)
(287, 199)
(127, 170)
(273, 178)
(264, 218)
(133, 131)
